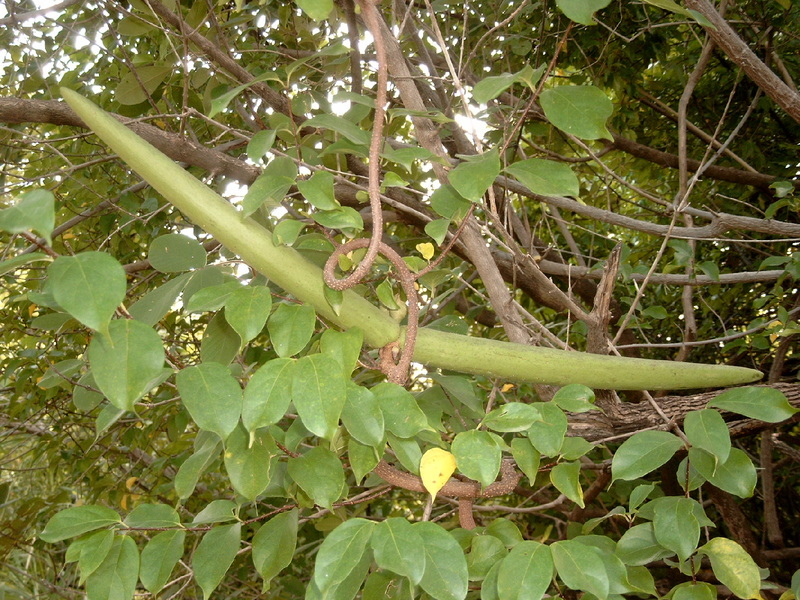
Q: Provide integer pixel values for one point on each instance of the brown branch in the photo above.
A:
(595, 426)
(741, 54)
(509, 477)
(177, 147)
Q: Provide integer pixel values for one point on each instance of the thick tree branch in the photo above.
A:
(177, 147)
(741, 54)
(595, 426)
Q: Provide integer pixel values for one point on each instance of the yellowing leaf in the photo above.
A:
(507, 387)
(426, 249)
(435, 469)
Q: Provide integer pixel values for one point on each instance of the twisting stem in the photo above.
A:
(370, 16)
(396, 368)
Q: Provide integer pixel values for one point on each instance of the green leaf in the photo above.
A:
(320, 475)
(86, 399)
(319, 393)
(485, 552)
(639, 546)
(126, 364)
(476, 174)
(286, 232)
(217, 511)
(489, 584)
(437, 230)
(115, 578)
(12, 264)
(220, 342)
(478, 455)
(396, 546)
(343, 217)
(449, 204)
(291, 327)
(77, 520)
(505, 531)
(694, 590)
(348, 588)
(260, 144)
(643, 453)
(155, 304)
(527, 457)
(153, 516)
(221, 102)
(316, 9)
(95, 551)
(271, 186)
(581, 11)
(159, 557)
(710, 268)
(762, 403)
(343, 346)
(247, 461)
(566, 479)
(348, 129)
(547, 434)
(135, 88)
(581, 110)
(511, 417)
(796, 584)
(318, 190)
(546, 177)
(581, 567)
(211, 298)
(574, 447)
(362, 416)
(247, 309)
(491, 87)
(407, 451)
(445, 576)
(706, 429)
(212, 396)
(734, 567)
(274, 544)
(194, 466)
(174, 253)
(526, 573)
(402, 416)
(639, 495)
(214, 556)
(268, 394)
(675, 525)
(575, 398)
(89, 286)
(737, 475)
(341, 552)
(35, 211)
(363, 458)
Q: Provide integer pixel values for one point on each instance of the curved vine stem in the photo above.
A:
(394, 363)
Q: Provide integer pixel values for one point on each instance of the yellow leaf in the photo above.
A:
(426, 249)
(507, 386)
(435, 469)
(130, 482)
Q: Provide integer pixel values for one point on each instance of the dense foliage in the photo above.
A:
(187, 409)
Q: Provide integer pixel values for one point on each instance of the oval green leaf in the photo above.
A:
(174, 253)
(128, 363)
(268, 394)
(320, 475)
(89, 286)
(212, 396)
(643, 453)
(581, 110)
